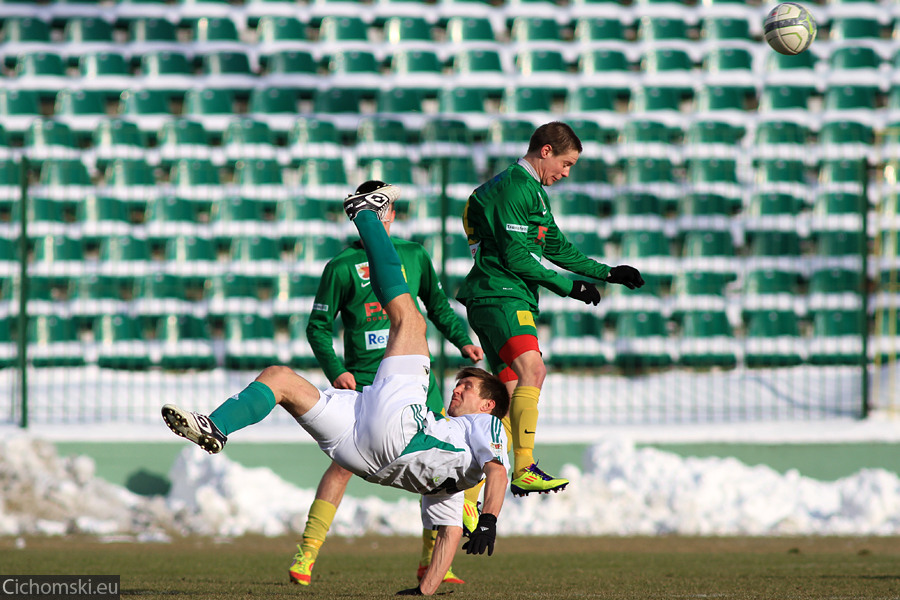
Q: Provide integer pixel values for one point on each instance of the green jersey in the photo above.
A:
(345, 288)
(511, 229)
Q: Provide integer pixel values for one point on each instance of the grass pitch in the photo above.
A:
(521, 567)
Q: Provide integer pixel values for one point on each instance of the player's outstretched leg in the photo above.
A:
(195, 427)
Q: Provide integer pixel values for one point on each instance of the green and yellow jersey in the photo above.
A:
(511, 229)
(345, 288)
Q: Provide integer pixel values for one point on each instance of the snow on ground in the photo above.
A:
(618, 490)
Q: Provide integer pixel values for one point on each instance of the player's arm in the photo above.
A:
(445, 546)
(439, 311)
(509, 223)
(319, 330)
(561, 252)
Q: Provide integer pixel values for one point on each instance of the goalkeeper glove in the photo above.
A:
(627, 276)
(585, 291)
(483, 537)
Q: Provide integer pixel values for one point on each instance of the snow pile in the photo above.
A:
(621, 490)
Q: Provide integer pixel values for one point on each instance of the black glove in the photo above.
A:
(627, 276)
(410, 592)
(483, 537)
(585, 291)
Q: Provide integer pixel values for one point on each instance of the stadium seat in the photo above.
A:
(186, 343)
(56, 248)
(120, 343)
(196, 179)
(248, 139)
(106, 71)
(381, 137)
(324, 172)
(657, 29)
(418, 69)
(161, 293)
(711, 137)
(535, 29)
(151, 33)
(855, 28)
(182, 139)
(734, 98)
(290, 69)
(781, 139)
(131, 179)
(317, 248)
(399, 30)
(398, 170)
(275, 106)
(104, 209)
(641, 341)
(94, 295)
(81, 110)
(725, 29)
(461, 30)
(773, 203)
(838, 203)
(656, 98)
(773, 339)
(41, 72)
(576, 340)
(64, 179)
(840, 243)
(706, 340)
(281, 32)
(148, 109)
(599, 29)
(846, 139)
(302, 356)
(167, 70)
(667, 66)
(228, 70)
(342, 106)
(854, 65)
(212, 107)
(648, 138)
(442, 137)
(249, 342)
(774, 243)
(50, 139)
(194, 255)
(479, 68)
(24, 34)
(607, 67)
(337, 30)
(313, 138)
(18, 109)
(837, 338)
(211, 34)
(53, 342)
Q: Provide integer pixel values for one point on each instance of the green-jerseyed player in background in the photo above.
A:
(511, 229)
(345, 288)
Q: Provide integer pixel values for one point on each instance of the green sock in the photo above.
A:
(385, 268)
(246, 408)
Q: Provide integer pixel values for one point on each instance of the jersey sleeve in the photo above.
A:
(560, 251)
(442, 510)
(319, 330)
(487, 440)
(437, 305)
(510, 225)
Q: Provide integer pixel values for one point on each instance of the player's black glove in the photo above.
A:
(410, 592)
(585, 291)
(627, 276)
(483, 537)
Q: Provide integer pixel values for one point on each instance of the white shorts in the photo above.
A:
(365, 431)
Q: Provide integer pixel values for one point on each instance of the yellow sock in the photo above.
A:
(428, 538)
(472, 493)
(523, 416)
(321, 514)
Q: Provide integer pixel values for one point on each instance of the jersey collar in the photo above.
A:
(527, 166)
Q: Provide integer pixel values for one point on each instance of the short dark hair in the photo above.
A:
(490, 388)
(560, 136)
(370, 186)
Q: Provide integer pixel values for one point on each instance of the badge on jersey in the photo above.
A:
(376, 339)
(362, 269)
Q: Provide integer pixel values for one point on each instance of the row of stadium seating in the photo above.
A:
(636, 338)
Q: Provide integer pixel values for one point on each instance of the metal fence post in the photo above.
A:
(22, 321)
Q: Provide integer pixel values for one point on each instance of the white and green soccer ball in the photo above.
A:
(789, 28)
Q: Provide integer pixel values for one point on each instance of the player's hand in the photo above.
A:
(585, 291)
(483, 537)
(345, 381)
(627, 276)
(472, 352)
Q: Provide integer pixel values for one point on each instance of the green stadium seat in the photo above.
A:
(774, 203)
(707, 340)
(699, 207)
(297, 212)
(656, 98)
(725, 29)
(641, 341)
(858, 97)
(291, 69)
(41, 71)
(710, 137)
(131, 179)
(712, 98)
(470, 29)
(324, 172)
(250, 343)
(837, 338)
(706, 244)
(419, 69)
(120, 343)
(151, 33)
(336, 29)
(9, 355)
(463, 100)
(398, 30)
(212, 107)
(397, 170)
(124, 248)
(568, 203)
(49, 139)
(161, 293)
(657, 29)
(773, 339)
(774, 243)
(535, 29)
(635, 244)
(276, 30)
(779, 171)
(182, 139)
(591, 99)
(312, 138)
(94, 295)
(599, 29)
(22, 31)
(341, 105)
(55, 248)
(445, 137)
(779, 97)
(167, 210)
(18, 109)
(381, 137)
(840, 243)
(608, 68)
(647, 138)
(193, 252)
(848, 174)
(207, 31)
(167, 70)
(196, 179)
(249, 139)
(148, 109)
(65, 179)
(782, 139)
(88, 32)
(400, 101)
(835, 288)
(53, 342)
(839, 203)
(576, 341)
(186, 343)
(228, 70)
(104, 209)
(107, 71)
(275, 106)
(254, 249)
(302, 356)
(81, 110)
(479, 67)
(317, 248)
(855, 28)
(846, 139)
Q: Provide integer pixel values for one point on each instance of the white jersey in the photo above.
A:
(386, 435)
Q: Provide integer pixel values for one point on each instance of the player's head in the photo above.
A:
(553, 150)
(375, 185)
(477, 391)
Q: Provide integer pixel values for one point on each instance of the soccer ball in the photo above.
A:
(789, 28)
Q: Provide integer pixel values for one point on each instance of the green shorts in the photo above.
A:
(506, 328)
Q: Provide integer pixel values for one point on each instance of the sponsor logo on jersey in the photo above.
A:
(515, 227)
(317, 306)
(362, 269)
(376, 339)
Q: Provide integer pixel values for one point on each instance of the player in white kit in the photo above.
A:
(385, 433)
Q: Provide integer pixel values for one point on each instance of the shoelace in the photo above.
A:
(534, 469)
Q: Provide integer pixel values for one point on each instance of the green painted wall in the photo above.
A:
(144, 467)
